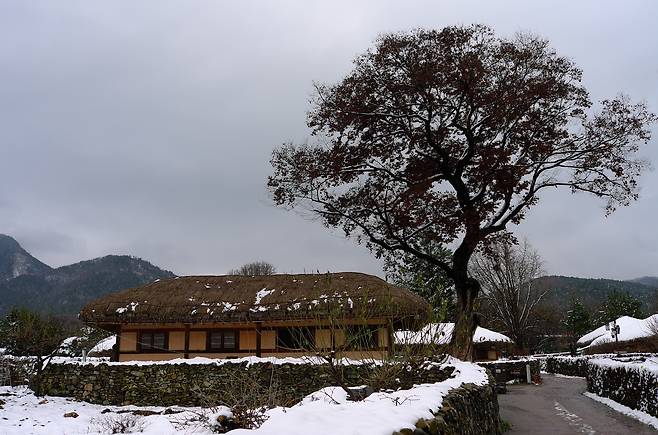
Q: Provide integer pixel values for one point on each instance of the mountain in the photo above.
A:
(651, 281)
(16, 261)
(65, 290)
(592, 292)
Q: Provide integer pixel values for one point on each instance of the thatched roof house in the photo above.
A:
(488, 344)
(229, 316)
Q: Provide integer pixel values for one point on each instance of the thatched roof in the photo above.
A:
(198, 299)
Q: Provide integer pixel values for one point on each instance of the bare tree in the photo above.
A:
(452, 136)
(255, 268)
(506, 273)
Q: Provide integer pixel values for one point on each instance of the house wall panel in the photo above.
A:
(382, 334)
(323, 338)
(128, 342)
(248, 339)
(177, 340)
(268, 339)
(149, 356)
(197, 340)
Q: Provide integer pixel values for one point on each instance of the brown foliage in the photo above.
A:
(450, 135)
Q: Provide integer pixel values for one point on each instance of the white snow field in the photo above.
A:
(325, 411)
(630, 328)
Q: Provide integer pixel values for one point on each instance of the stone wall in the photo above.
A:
(513, 370)
(468, 410)
(207, 384)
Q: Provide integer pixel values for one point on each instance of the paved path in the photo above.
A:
(558, 407)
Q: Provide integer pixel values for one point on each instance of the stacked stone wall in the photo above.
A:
(206, 384)
(467, 410)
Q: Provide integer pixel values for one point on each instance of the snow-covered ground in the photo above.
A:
(440, 333)
(24, 413)
(633, 413)
(325, 411)
(630, 328)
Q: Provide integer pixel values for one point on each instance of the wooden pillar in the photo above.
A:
(391, 338)
(258, 341)
(116, 353)
(186, 353)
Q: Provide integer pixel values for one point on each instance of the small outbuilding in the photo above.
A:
(275, 315)
(488, 345)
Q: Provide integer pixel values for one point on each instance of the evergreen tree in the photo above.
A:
(577, 321)
(618, 304)
(425, 279)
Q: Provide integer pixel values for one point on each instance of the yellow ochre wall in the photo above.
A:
(246, 342)
(197, 340)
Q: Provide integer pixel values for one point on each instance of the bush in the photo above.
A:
(569, 366)
(119, 423)
(627, 383)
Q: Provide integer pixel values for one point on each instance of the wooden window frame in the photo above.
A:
(304, 330)
(151, 349)
(222, 349)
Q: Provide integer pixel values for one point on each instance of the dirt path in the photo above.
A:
(559, 407)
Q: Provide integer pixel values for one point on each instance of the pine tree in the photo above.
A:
(577, 321)
(618, 304)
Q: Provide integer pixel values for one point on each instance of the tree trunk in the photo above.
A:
(461, 343)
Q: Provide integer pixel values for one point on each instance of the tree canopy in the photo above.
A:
(450, 136)
(255, 268)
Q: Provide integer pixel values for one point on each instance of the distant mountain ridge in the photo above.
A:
(651, 281)
(27, 282)
(16, 261)
(592, 292)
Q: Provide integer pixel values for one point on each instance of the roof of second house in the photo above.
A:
(630, 328)
(198, 299)
(441, 333)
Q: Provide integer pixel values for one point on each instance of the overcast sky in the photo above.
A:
(146, 128)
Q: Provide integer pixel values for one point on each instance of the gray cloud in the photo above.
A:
(146, 128)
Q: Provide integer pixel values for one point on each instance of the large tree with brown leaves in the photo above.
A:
(451, 136)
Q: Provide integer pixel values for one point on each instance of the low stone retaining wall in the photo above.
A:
(513, 370)
(467, 410)
(207, 384)
(627, 383)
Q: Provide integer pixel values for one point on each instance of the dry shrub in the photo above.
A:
(119, 423)
(248, 399)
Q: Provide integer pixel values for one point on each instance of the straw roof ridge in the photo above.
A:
(230, 298)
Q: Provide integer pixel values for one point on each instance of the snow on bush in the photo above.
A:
(630, 381)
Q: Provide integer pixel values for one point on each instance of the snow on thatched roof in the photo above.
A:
(630, 328)
(233, 298)
(440, 333)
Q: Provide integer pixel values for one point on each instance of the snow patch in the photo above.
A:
(633, 413)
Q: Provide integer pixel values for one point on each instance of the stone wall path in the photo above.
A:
(559, 407)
